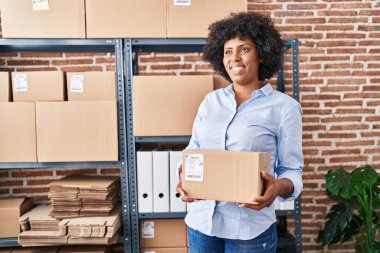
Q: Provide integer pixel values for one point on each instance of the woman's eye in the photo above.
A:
(244, 49)
(227, 52)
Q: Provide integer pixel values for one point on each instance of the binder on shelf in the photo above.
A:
(145, 181)
(287, 205)
(176, 204)
(160, 181)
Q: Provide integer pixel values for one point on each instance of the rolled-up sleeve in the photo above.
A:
(290, 158)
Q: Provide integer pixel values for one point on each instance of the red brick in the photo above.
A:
(335, 167)
(309, 104)
(330, 73)
(355, 143)
(253, 7)
(11, 183)
(4, 174)
(338, 89)
(8, 54)
(287, 28)
(314, 128)
(316, 111)
(373, 65)
(305, 21)
(66, 172)
(346, 51)
(372, 151)
(372, 118)
(313, 176)
(82, 69)
(367, 58)
(362, 95)
(316, 143)
(321, 97)
(292, 13)
(158, 74)
(347, 81)
(72, 62)
(105, 60)
(84, 54)
(41, 54)
(160, 59)
(350, 5)
(341, 151)
(337, 13)
(303, 36)
(376, 158)
(345, 36)
(310, 152)
(171, 66)
(336, 135)
(343, 65)
(369, 43)
(372, 134)
(31, 190)
(325, 201)
(311, 51)
(39, 181)
(331, 43)
(369, 12)
(342, 119)
(375, 80)
(373, 103)
(374, 35)
(203, 67)
(4, 191)
(193, 58)
(346, 127)
(32, 173)
(308, 160)
(348, 20)
(27, 69)
(355, 111)
(23, 62)
(329, 58)
(306, 6)
(369, 28)
(334, 27)
(348, 159)
(110, 68)
(310, 66)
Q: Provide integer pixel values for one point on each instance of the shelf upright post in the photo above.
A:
(128, 58)
(296, 96)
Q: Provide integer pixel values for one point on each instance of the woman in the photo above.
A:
(248, 115)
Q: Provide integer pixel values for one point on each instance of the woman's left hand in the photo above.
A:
(271, 192)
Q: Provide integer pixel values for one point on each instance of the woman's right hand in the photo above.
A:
(182, 191)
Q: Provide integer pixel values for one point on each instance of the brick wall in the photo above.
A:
(340, 95)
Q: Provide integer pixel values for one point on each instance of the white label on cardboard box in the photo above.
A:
(150, 251)
(20, 82)
(39, 5)
(147, 230)
(182, 2)
(194, 164)
(76, 83)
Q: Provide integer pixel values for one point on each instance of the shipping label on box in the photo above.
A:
(147, 229)
(194, 167)
(39, 5)
(20, 82)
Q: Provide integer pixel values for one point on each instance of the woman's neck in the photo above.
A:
(244, 92)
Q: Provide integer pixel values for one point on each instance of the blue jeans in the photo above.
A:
(264, 243)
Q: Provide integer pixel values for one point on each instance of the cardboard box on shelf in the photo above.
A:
(91, 85)
(43, 19)
(167, 105)
(163, 233)
(126, 18)
(164, 250)
(5, 89)
(38, 86)
(17, 132)
(77, 131)
(191, 19)
(10, 212)
(206, 173)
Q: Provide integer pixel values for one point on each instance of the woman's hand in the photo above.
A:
(273, 188)
(181, 191)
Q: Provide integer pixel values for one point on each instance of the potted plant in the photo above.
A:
(358, 201)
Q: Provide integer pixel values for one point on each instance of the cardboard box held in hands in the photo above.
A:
(224, 175)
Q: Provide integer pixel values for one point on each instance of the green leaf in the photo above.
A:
(346, 185)
(376, 195)
(338, 218)
(353, 228)
(362, 178)
(338, 183)
(376, 246)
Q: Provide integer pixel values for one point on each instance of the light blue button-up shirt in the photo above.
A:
(269, 121)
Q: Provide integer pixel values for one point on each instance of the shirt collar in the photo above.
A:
(266, 90)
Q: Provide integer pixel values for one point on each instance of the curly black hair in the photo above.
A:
(255, 26)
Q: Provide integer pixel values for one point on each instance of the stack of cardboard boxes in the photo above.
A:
(113, 18)
(39, 125)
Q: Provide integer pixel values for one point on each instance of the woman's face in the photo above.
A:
(241, 61)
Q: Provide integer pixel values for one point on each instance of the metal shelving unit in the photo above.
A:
(83, 45)
(134, 46)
